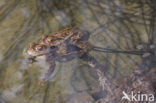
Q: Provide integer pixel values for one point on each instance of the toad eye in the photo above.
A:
(39, 48)
(49, 39)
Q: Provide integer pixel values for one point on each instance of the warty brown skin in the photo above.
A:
(62, 46)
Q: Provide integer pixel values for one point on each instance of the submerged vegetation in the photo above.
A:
(113, 24)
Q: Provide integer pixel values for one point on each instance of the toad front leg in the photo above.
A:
(50, 70)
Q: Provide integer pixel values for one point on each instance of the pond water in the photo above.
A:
(119, 25)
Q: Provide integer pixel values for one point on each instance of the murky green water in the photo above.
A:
(116, 24)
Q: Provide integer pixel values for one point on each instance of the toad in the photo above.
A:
(66, 45)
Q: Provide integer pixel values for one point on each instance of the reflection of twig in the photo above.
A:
(8, 8)
(46, 93)
(104, 83)
(102, 80)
